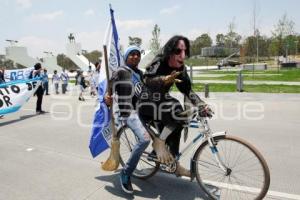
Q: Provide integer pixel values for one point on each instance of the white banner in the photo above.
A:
(15, 93)
(17, 74)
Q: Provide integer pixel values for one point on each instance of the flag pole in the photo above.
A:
(113, 161)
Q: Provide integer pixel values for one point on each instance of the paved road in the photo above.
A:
(47, 156)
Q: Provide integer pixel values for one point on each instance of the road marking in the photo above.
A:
(54, 112)
(29, 149)
(252, 190)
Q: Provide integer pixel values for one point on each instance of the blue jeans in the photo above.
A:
(135, 124)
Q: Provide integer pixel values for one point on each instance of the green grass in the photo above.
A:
(263, 88)
(284, 75)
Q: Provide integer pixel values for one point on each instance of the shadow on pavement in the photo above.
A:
(24, 117)
(160, 186)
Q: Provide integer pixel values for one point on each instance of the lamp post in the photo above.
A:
(296, 50)
(286, 52)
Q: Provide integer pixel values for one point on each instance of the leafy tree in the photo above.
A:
(203, 40)
(232, 39)
(135, 41)
(8, 64)
(93, 56)
(281, 41)
(65, 62)
(155, 41)
(220, 40)
(250, 43)
(284, 27)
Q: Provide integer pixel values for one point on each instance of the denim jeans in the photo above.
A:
(135, 124)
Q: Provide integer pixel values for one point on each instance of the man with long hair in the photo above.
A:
(166, 69)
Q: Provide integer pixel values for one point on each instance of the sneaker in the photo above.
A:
(126, 183)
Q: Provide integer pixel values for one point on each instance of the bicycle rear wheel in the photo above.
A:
(145, 168)
(247, 175)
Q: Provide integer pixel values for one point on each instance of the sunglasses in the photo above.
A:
(178, 51)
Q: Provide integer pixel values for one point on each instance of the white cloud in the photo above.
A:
(169, 11)
(133, 24)
(24, 3)
(37, 45)
(46, 16)
(89, 12)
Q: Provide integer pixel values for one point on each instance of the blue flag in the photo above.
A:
(101, 131)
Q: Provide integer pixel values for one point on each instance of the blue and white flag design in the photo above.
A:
(17, 74)
(14, 94)
(101, 131)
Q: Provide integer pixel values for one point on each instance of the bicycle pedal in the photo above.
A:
(170, 168)
(152, 158)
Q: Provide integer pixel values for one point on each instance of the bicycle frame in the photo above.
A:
(200, 138)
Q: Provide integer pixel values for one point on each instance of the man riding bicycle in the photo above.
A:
(157, 104)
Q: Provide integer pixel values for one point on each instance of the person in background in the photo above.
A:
(96, 74)
(37, 72)
(46, 82)
(65, 79)
(55, 81)
(94, 81)
(82, 85)
(2, 71)
(2, 80)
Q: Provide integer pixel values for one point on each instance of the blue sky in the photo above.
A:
(43, 25)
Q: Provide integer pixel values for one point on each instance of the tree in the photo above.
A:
(8, 64)
(232, 39)
(200, 42)
(283, 29)
(220, 40)
(93, 56)
(290, 44)
(65, 62)
(135, 41)
(250, 46)
(155, 41)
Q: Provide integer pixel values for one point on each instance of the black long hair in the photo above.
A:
(170, 47)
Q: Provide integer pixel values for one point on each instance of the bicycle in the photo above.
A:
(219, 172)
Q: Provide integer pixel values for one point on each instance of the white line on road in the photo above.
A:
(55, 112)
(29, 149)
(252, 190)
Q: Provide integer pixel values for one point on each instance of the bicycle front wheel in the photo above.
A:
(145, 167)
(245, 176)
